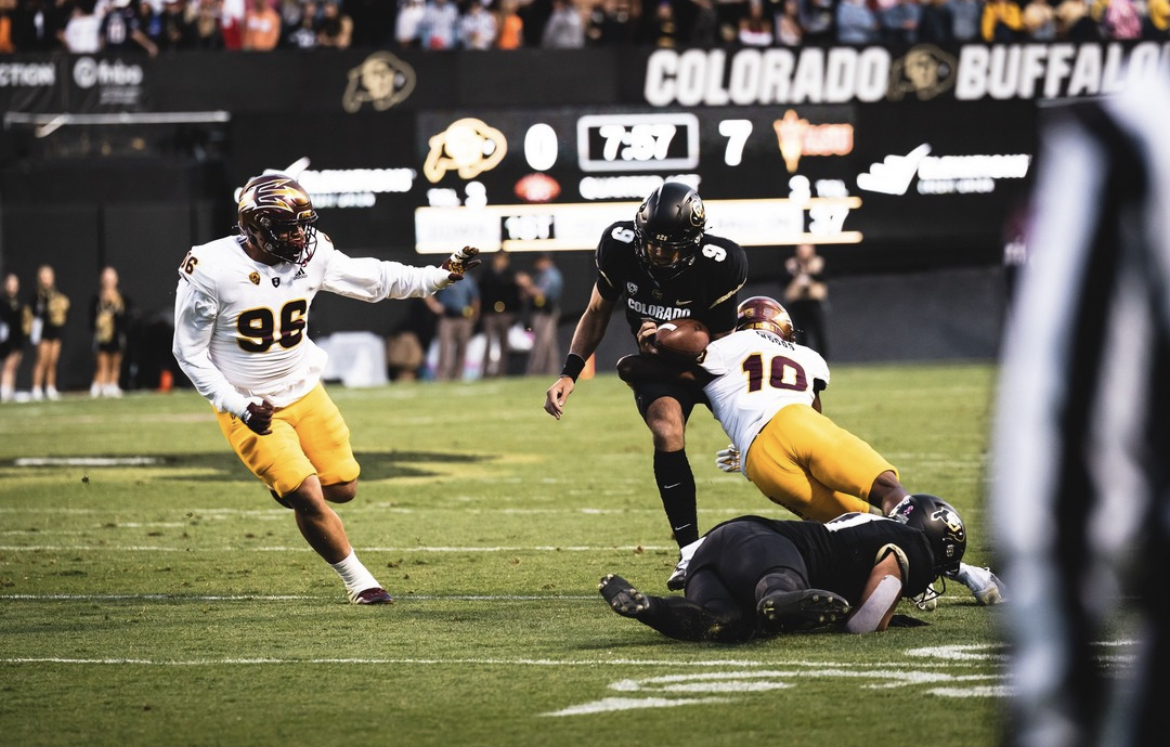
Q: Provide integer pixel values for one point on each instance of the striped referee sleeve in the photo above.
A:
(1079, 490)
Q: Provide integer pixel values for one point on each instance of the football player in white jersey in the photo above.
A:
(764, 389)
(241, 312)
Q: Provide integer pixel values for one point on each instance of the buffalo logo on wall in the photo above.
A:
(925, 71)
(798, 138)
(382, 80)
(468, 147)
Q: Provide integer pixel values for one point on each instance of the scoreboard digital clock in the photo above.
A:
(638, 142)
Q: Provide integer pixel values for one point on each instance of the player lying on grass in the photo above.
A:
(754, 577)
(765, 390)
(241, 317)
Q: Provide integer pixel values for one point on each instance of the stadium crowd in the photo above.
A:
(163, 26)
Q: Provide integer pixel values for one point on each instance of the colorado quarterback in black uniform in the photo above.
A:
(665, 267)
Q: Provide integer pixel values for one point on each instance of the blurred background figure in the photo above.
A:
(457, 307)
(543, 290)
(49, 311)
(806, 296)
(500, 298)
(109, 317)
(1080, 494)
(11, 335)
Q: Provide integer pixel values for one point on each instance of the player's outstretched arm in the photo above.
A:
(590, 329)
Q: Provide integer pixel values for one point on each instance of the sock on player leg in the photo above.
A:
(676, 486)
(354, 575)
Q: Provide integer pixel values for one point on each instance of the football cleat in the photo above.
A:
(984, 584)
(622, 598)
(374, 595)
(788, 611)
(678, 577)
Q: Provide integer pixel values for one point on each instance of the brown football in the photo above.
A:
(682, 339)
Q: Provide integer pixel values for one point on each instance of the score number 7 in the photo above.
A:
(736, 131)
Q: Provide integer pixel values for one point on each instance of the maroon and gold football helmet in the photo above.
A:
(277, 216)
(761, 312)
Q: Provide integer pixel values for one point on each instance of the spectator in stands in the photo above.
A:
(499, 294)
(1074, 24)
(789, 32)
(1039, 20)
(1117, 19)
(175, 33)
(510, 25)
(6, 9)
(204, 28)
(440, 25)
(604, 27)
(729, 13)
(48, 313)
(818, 18)
(1002, 22)
(1156, 25)
(967, 15)
(856, 23)
(82, 32)
(936, 23)
(36, 25)
(261, 27)
(663, 28)
(408, 24)
(564, 29)
(704, 30)
(899, 22)
(150, 20)
(335, 30)
(535, 14)
(755, 29)
(231, 22)
(121, 30)
(373, 22)
(477, 27)
(304, 36)
(109, 318)
(291, 12)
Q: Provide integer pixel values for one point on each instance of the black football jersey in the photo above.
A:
(707, 290)
(841, 554)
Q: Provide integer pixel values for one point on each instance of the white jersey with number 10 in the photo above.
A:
(756, 375)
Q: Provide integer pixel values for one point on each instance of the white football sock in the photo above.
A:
(355, 575)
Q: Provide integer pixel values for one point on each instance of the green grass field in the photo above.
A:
(167, 600)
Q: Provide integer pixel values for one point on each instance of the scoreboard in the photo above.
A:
(552, 179)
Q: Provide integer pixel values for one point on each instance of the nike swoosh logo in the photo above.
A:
(684, 526)
(668, 487)
(684, 303)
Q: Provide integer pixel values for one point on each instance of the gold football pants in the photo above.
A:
(811, 466)
(309, 437)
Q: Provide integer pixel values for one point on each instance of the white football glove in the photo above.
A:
(728, 459)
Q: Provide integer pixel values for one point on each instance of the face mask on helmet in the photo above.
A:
(277, 217)
(763, 313)
(668, 229)
(943, 527)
